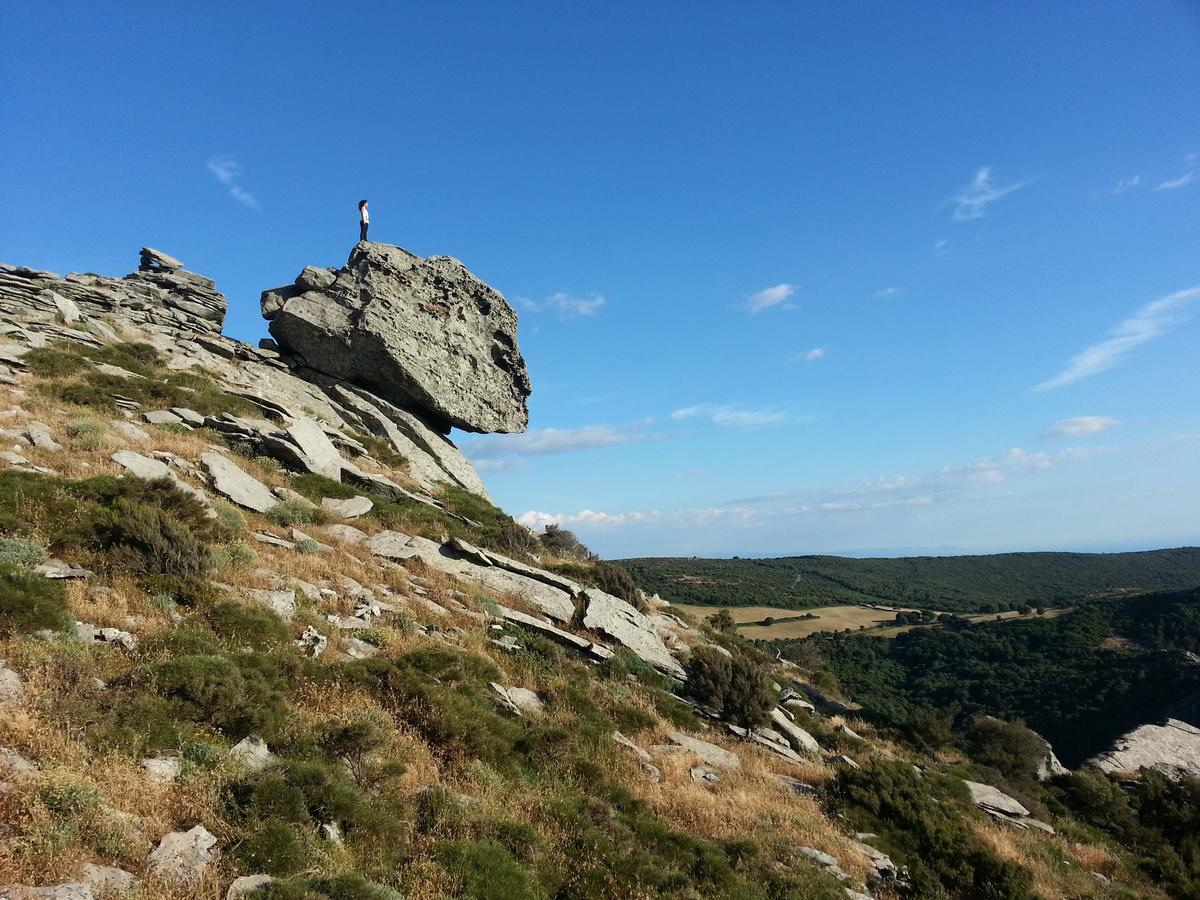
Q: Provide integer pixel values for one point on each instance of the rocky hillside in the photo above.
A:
(263, 634)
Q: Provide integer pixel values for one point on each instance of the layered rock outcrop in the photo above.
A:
(424, 334)
(1172, 748)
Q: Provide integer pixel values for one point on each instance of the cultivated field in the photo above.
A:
(829, 618)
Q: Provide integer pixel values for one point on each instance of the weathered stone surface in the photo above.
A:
(313, 279)
(323, 457)
(618, 620)
(230, 481)
(141, 466)
(163, 768)
(252, 754)
(347, 534)
(183, 855)
(282, 603)
(248, 884)
(150, 259)
(1172, 748)
(90, 634)
(425, 334)
(717, 757)
(162, 417)
(129, 430)
(71, 891)
(796, 786)
(12, 689)
(109, 880)
(583, 645)
(41, 437)
(987, 797)
(518, 700)
(14, 765)
(350, 508)
(799, 738)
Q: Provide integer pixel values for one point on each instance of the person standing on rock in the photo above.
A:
(364, 219)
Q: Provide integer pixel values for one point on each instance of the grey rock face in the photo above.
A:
(109, 880)
(989, 798)
(618, 620)
(799, 738)
(12, 689)
(1172, 748)
(350, 508)
(248, 884)
(252, 754)
(717, 757)
(72, 891)
(183, 855)
(230, 481)
(160, 292)
(421, 333)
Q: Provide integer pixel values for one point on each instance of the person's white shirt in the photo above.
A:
(366, 217)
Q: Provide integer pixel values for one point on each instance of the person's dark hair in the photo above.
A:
(362, 203)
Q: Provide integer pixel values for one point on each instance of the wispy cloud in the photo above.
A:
(1152, 320)
(768, 298)
(228, 172)
(1081, 426)
(498, 452)
(888, 292)
(972, 202)
(567, 306)
(1185, 179)
(813, 355)
(691, 517)
(1126, 184)
(941, 248)
(730, 416)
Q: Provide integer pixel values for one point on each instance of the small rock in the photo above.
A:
(350, 508)
(161, 417)
(73, 891)
(704, 777)
(283, 602)
(248, 884)
(266, 537)
(150, 259)
(183, 855)
(312, 642)
(252, 754)
(796, 786)
(163, 768)
(332, 832)
(12, 689)
(109, 880)
(518, 700)
(13, 458)
(359, 649)
(16, 765)
(240, 487)
(717, 757)
(58, 569)
(90, 634)
(189, 416)
(39, 435)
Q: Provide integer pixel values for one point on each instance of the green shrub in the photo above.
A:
(486, 870)
(58, 361)
(307, 546)
(22, 553)
(229, 519)
(253, 626)
(148, 540)
(1009, 747)
(296, 512)
(738, 688)
(240, 695)
(922, 823)
(86, 434)
(316, 487)
(236, 554)
(274, 847)
(30, 602)
(617, 581)
(565, 544)
(336, 887)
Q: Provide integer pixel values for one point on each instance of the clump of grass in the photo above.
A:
(229, 519)
(30, 602)
(86, 434)
(307, 546)
(234, 555)
(334, 887)
(296, 512)
(22, 553)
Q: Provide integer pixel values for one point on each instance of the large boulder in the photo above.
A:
(1172, 748)
(422, 333)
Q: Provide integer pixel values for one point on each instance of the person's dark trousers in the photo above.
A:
(362, 231)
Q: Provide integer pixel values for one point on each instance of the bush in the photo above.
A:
(22, 553)
(296, 512)
(274, 847)
(722, 621)
(617, 581)
(148, 540)
(229, 519)
(565, 544)
(738, 688)
(30, 602)
(485, 870)
(336, 887)
(237, 553)
(1009, 747)
(86, 434)
(252, 626)
(240, 695)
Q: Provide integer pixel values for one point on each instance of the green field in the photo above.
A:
(978, 584)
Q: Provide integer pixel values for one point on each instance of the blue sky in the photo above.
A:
(865, 277)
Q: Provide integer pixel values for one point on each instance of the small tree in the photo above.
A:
(737, 687)
(722, 621)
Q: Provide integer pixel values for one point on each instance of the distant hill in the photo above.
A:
(950, 583)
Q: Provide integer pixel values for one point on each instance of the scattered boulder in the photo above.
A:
(350, 508)
(421, 333)
(230, 481)
(163, 768)
(825, 861)
(248, 884)
(312, 642)
(717, 757)
(252, 754)
(12, 689)
(41, 437)
(619, 620)
(800, 739)
(90, 634)
(162, 417)
(704, 777)
(1172, 748)
(73, 891)
(14, 765)
(58, 569)
(109, 880)
(518, 700)
(282, 602)
(183, 855)
(796, 786)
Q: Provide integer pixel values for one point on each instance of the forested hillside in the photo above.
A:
(1080, 680)
(949, 583)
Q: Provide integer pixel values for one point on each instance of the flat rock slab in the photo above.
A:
(12, 689)
(1172, 748)
(282, 603)
(350, 508)
(518, 700)
(252, 754)
(72, 891)
(717, 757)
(800, 739)
(39, 435)
(162, 417)
(620, 621)
(989, 798)
(319, 454)
(230, 481)
(248, 885)
(109, 880)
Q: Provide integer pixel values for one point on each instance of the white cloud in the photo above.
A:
(228, 172)
(1175, 184)
(566, 305)
(729, 416)
(888, 292)
(973, 201)
(941, 248)
(1081, 426)
(693, 517)
(813, 355)
(770, 297)
(497, 451)
(1125, 184)
(1152, 320)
